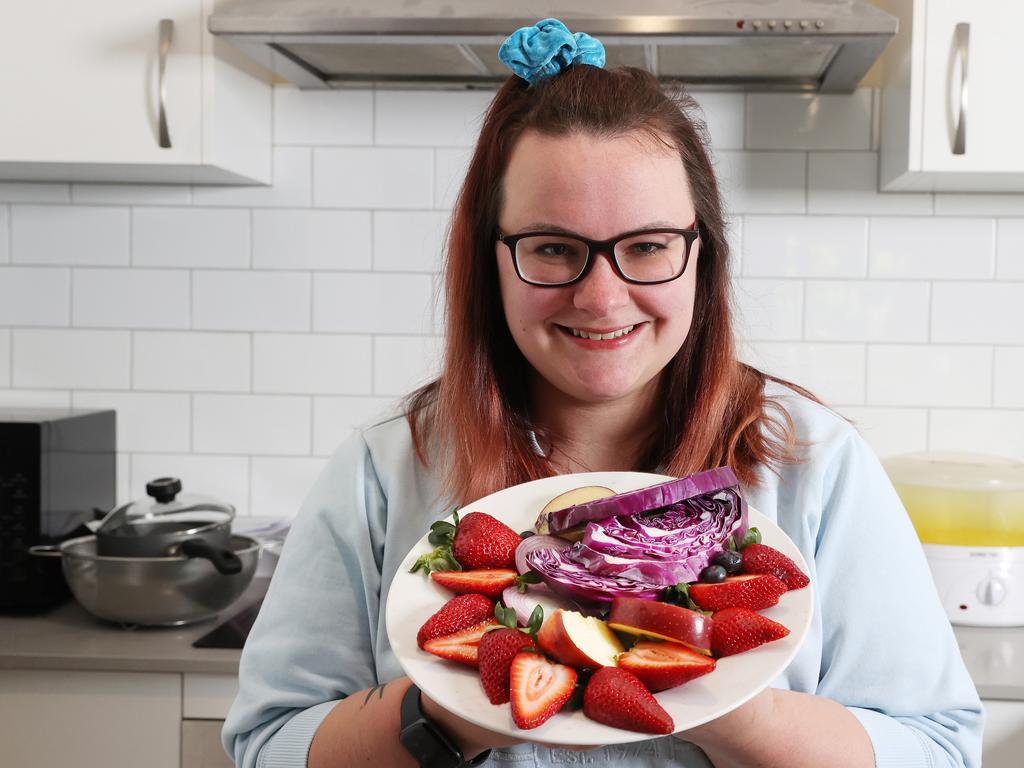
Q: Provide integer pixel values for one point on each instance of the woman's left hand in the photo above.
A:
(747, 721)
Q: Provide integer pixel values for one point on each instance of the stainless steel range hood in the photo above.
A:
(796, 45)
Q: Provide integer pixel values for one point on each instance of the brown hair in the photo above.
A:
(475, 414)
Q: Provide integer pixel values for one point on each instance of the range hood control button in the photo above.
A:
(992, 591)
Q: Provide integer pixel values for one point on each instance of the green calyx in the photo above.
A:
(442, 534)
(680, 595)
(507, 619)
(523, 581)
(752, 536)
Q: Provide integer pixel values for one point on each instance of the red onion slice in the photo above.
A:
(532, 544)
(523, 603)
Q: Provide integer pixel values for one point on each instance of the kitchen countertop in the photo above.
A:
(69, 637)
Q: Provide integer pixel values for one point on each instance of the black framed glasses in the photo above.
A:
(645, 256)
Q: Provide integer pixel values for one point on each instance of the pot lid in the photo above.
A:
(164, 496)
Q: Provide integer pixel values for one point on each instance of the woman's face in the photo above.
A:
(597, 188)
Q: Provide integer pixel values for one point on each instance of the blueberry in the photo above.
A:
(526, 534)
(729, 559)
(713, 574)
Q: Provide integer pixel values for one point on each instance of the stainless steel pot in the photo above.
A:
(155, 591)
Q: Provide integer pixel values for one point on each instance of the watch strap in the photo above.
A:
(426, 741)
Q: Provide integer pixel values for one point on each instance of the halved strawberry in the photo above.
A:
(462, 646)
(455, 615)
(760, 558)
(538, 688)
(497, 650)
(618, 698)
(735, 630)
(661, 666)
(490, 582)
(753, 591)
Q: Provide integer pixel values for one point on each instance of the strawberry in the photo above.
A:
(735, 630)
(457, 614)
(760, 558)
(478, 541)
(461, 646)
(753, 591)
(616, 697)
(497, 650)
(538, 688)
(664, 665)
(490, 582)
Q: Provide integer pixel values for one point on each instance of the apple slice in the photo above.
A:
(568, 499)
(661, 621)
(584, 642)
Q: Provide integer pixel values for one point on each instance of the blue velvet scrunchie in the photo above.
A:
(546, 48)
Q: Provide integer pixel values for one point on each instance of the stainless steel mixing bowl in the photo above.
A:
(155, 591)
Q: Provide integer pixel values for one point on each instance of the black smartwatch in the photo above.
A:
(426, 742)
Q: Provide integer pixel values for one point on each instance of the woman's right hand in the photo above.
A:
(472, 739)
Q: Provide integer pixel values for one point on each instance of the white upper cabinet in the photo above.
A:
(85, 86)
(951, 117)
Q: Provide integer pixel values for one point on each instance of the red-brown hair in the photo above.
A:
(472, 420)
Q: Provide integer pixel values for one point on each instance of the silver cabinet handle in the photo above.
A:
(962, 35)
(166, 35)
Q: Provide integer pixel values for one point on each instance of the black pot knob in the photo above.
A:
(164, 489)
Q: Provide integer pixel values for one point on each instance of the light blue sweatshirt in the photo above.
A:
(880, 643)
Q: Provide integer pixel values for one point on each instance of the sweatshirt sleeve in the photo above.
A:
(312, 642)
(889, 653)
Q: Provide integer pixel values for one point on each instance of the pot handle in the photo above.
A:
(45, 550)
(223, 559)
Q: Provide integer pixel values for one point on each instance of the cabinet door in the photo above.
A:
(80, 81)
(994, 110)
(1004, 734)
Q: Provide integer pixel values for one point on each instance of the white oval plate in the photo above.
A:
(736, 679)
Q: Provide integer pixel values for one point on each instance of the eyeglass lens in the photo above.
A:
(648, 257)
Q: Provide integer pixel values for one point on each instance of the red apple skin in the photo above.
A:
(663, 620)
(555, 641)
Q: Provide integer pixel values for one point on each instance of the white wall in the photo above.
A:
(241, 332)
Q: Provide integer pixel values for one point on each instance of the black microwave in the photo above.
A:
(58, 468)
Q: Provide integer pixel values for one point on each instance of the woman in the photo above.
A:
(565, 355)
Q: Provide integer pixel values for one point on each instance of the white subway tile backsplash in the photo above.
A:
(762, 182)
(251, 301)
(1009, 377)
(977, 204)
(190, 237)
(833, 372)
(5, 358)
(292, 184)
(429, 118)
(31, 192)
(191, 361)
(131, 194)
(123, 477)
(805, 246)
(921, 375)
(867, 310)
(723, 115)
(223, 477)
(64, 234)
(335, 418)
(145, 422)
(930, 248)
(847, 183)
(373, 178)
(1010, 249)
(35, 398)
(450, 169)
(402, 363)
(769, 310)
(891, 431)
(320, 364)
(809, 121)
(322, 118)
(5, 234)
(372, 303)
(989, 432)
(71, 359)
(130, 298)
(35, 296)
(279, 485)
(303, 239)
(409, 241)
(978, 313)
(251, 424)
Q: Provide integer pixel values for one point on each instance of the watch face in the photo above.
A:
(428, 746)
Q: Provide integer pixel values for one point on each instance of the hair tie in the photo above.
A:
(546, 48)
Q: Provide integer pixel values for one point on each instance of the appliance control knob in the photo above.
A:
(991, 591)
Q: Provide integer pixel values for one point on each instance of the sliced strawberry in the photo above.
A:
(618, 698)
(753, 591)
(455, 615)
(760, 558)
(461, 646)
(735, 630)
(538, 688)
(661, 666)
(497, 650)
(490, 582)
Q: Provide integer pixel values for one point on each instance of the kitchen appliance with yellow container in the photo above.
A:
(968, 511)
